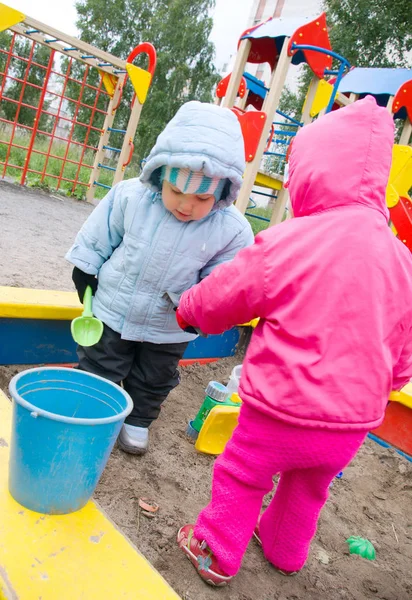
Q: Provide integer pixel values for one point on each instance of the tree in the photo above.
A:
(370, 33)
(179, 29)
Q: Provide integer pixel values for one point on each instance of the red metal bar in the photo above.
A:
(16, 116)
(3, 83)
(88, 85)
(41, 132)
(86, 137)
(56, 121)
(86, 71)
(20, 168)
(47, 112)
(6, 99)
(69, 160)
(12, 55)
(38, 115)
(34, 85)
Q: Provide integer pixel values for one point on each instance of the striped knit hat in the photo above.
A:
(193, 182)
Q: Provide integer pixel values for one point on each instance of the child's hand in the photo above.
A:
(183, 325)
(81, 280)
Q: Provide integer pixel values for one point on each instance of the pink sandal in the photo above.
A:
(201, 557)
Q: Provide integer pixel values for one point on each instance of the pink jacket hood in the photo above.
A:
(342, 159)
(332, 287)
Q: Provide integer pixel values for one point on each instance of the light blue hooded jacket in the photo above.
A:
(139, 250)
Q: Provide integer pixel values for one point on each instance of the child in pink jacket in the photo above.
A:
(333, 289)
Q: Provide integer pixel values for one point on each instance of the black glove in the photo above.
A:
(81, 280)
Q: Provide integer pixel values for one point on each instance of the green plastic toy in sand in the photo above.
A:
(87, 330)
(361, 546)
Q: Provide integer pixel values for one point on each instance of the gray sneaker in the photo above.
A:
(134, 440)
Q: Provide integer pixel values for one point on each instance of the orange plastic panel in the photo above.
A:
(252, 124)
(396, 429)
(403, 98)
(314, 33)
(223, 85)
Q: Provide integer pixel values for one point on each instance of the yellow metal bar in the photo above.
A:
(273, 182)
(23, 303)
(68, 557)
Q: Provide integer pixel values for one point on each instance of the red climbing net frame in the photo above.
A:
(67, 111)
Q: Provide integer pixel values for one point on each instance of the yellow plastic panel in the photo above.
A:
(24, 303)
(217, 429)
(9, 17)
(272, 182)
(109, 82)
(140, 80)
(400, 176)
(67, 557)
(404, 396)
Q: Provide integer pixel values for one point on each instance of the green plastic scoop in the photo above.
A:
(87, 330)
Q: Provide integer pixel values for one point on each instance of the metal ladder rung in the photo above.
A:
(103, 185)
(112, 149)
(106, 167)
(116, 130)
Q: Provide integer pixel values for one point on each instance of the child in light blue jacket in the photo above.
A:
(163, 232)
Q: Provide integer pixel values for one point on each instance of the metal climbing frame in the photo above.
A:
(66, 139)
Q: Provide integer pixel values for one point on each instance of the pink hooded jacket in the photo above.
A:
(333, 286)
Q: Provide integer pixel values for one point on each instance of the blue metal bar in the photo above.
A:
(112, 149)
(51, 41)
(88, 56)
(280, 132)
(263, 194)
(285, 124)
(287, 142)
(107, 187)
(330, 72)
(253, 204)
(29, 31)
(275, 154)
(340, 58)
(335, 88)
(104, 65)
(106, 167)
(285, 116)
(119, 71)
(69, 49)
(257, 217)
(116, 130)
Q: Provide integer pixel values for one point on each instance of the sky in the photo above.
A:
(230, 20)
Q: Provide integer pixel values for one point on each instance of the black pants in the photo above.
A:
(148, 371)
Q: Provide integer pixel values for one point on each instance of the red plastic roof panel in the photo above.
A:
(267, 41)
(403, 99)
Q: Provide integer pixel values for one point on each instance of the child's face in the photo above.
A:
(186, 207)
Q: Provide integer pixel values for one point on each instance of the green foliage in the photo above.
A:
(370, 33)
(179, 30)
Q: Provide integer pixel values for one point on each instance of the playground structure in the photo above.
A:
(280, 42)
(100, 83)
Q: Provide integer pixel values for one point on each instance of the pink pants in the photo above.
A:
(307, 460)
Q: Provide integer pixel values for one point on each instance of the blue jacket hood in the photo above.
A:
(200, 137)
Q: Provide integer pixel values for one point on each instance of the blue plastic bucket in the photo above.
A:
(65, 423)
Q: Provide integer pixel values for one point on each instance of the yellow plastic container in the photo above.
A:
(217, 429)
